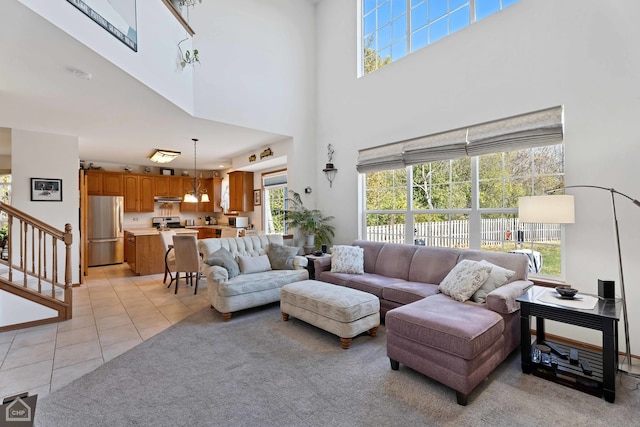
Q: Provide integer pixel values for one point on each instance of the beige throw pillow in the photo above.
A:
(347, 259)
(464, 279)
(253, 264)
(498, 277)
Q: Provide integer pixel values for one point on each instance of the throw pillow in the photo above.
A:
(254, 264)
(464, 279)
(223, 258)
(281, 257)
(498, 277)
(347, 259)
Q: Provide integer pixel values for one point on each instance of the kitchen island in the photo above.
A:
(143, 249)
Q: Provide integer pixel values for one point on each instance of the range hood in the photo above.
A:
(165, 199)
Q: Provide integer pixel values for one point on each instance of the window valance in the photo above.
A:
(529, 130)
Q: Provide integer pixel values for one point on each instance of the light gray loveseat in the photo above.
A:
(228, 295)
(456, 343)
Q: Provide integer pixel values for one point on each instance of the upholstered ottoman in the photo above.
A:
(342, 311)
(454, 343)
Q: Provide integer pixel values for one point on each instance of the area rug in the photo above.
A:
(258, 370)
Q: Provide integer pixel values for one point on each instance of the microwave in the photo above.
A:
(239, 221)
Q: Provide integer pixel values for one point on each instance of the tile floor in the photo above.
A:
(113, 312)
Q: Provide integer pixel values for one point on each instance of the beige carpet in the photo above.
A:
(260, 371)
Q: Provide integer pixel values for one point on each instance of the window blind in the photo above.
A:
(516, 133)
(384, 157)
(529, 130)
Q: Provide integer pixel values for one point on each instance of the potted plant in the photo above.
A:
(311, 222)
(4, 233)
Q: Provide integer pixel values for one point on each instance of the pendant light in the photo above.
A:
(192, 195)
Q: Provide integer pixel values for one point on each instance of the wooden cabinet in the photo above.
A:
(138, 193)
(101, 183)
(168, 186)
(207, 232)
(240, 191)
(217, 194)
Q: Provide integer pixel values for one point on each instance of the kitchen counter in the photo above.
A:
(154, 231)
(216, 227)
(144, 251)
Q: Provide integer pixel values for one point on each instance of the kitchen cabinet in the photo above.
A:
(102, 183)
(138, 193)
(217, 194)
(207, 232)
(168, 186)
(240, 191)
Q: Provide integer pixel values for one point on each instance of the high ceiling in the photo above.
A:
(117, 119)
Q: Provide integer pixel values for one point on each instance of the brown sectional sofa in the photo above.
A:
(455, 343)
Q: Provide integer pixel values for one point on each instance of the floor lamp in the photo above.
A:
(554, 210)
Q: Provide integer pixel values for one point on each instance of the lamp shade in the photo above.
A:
(546, 209)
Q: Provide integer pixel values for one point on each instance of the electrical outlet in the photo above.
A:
(135, 219)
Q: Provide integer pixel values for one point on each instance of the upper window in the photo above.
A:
(393, 28)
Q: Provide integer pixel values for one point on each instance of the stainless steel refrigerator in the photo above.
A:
(105, 232)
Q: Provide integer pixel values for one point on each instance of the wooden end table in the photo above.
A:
(603, 317)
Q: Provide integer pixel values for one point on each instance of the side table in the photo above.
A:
(603, 317)
(311, 266)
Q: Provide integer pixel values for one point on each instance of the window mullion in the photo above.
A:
(475, 220)
(472, 11)
(409, 219)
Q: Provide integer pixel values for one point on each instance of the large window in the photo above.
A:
(444, 211)
(392, 29)
(460, 189)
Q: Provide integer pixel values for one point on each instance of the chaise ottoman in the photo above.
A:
(342, 311)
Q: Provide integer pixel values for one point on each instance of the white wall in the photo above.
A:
(156, 61)
(42, 155)
(535, 54)
(258, 70)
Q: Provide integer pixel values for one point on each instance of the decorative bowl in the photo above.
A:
(566, 291)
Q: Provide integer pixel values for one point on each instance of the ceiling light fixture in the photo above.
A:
(195, 193)
(164, 156)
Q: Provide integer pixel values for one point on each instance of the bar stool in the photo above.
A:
(187, 259)
(169, 254)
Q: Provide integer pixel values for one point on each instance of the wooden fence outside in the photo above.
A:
(456, 233)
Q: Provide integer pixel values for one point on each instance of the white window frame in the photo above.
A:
(408, 32)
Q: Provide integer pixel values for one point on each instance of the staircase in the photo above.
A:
(36, 264)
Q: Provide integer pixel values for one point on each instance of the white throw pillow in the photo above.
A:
(347, 259)
(464, 279)
(498, 277)
(254, 264)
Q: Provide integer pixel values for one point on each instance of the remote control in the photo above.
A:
(585, 367)
(556, 350)
(573, 356)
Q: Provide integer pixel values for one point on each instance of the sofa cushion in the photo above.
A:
(281, 257)
(431, 264)
(516, 262)
(497, 277)
(394, 260)
(347, 259)
(223, 258)
(254, 264)
(408, 292)
(440, 322)
(247, 284)
(464, 279)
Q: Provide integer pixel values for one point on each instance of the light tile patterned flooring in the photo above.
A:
(113, 312)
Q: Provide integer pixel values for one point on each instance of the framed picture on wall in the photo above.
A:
(46, 190)
(257, 197)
